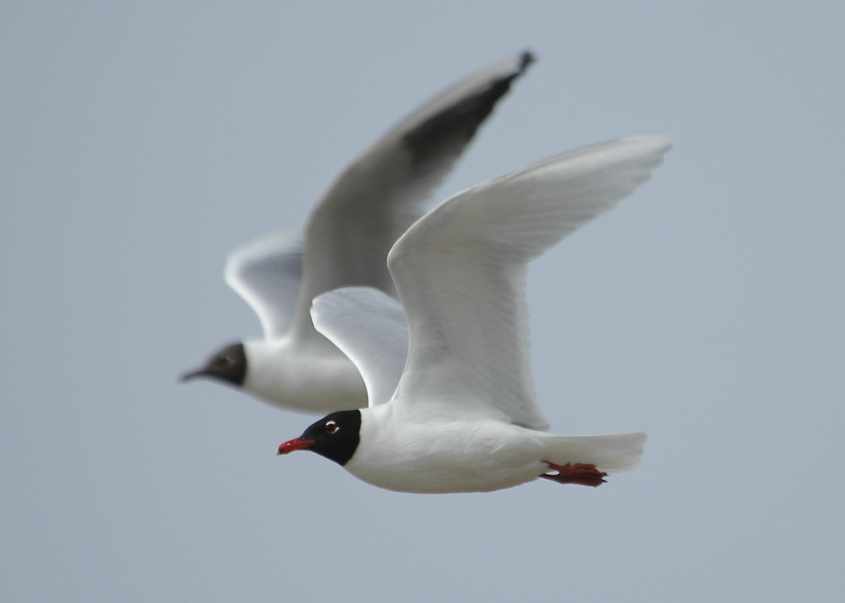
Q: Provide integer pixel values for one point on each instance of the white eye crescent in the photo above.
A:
(332, 427)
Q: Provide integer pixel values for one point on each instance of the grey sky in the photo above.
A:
(141, 142)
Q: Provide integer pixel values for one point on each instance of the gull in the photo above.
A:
(345, 243)
(463, 417)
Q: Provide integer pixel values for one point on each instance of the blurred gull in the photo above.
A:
(346, 241)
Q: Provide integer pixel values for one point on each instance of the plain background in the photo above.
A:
(141, 142)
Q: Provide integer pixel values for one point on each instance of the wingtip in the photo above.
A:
(526, 58)
(659, 142)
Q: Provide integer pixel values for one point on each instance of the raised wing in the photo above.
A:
(266, 274)
(370, 328)
(460, 272)
(383, 192)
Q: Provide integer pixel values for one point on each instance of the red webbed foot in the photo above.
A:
(575, 473)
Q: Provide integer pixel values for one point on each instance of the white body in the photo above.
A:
(444, 455)
(302, 377)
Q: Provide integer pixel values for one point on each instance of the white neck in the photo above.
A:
(313, 379)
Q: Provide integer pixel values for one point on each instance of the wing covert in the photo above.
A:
(370, 328)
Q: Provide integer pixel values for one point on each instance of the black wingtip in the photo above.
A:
(526, 59)
(453, 126)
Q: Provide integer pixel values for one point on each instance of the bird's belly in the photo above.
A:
(444, 460)
(425, 479)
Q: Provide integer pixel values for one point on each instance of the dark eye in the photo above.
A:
(224, 361)
(332, 427)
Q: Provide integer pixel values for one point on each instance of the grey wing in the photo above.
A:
(266, 274)
(384, 191)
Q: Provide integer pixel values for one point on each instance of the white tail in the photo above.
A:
(612, 453)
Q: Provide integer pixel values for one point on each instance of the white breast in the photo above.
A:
(303, 379)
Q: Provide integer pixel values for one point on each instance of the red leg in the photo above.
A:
(575, 473)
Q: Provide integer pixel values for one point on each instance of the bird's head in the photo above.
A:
(229, 365)
(335, 437)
